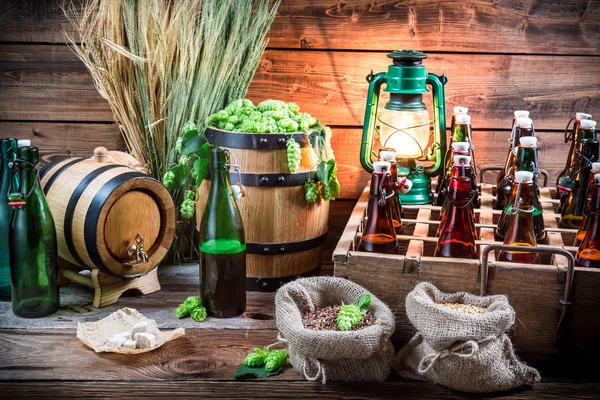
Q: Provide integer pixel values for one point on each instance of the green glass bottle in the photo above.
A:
(222, 245)
(8, 148)
(33, 248)
(574, 136)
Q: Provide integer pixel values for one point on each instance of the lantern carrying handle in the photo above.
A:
(559, 339)
(366, 146)
(437, 83)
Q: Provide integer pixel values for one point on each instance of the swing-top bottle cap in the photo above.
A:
(521, 113)
(462, 119)
(596, 167)
(387, 155)
(524, 122)
(24, 142)
(462, 161)
(528, 141)
(460, 147)
(588, 124)
(597, 178)
(582, 116)
(381, 166)
(524, 176)
(460, 110)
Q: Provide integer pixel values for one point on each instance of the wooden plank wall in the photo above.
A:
(499, 56)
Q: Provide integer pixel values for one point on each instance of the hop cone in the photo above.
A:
(311, 191)
(199, 314)
(276, 105)
(192, 302)
(275, 360)
(293, 155)
(257, 358)
(181, 311)
(348, 316)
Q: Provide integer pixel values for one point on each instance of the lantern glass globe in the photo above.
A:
(405, 131)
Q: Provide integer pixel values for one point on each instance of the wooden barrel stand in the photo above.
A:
(284, 233)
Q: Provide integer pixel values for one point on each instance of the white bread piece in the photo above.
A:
(145, 340)
(141, 326)
(129, 344)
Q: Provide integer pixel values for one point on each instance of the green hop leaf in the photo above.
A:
(275, 360)
(348, 316)
(182, 311)
(364, 303)
(294, 154)
(199, 314)
(311, 191)
(257, 357)
(245, 372)
(327, 173)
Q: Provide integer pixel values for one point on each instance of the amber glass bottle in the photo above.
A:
(457, 234)
(573, 136)
(575, 184)
(514, 141)
(460, 144)
(523, 128)
(588, 254)
(526, 160)
(465, 168)
(378, 233)
(520, 228)
(391, 185)
(585, 223)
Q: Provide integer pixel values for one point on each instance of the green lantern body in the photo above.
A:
(404, 122)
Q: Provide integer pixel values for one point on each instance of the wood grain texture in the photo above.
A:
(565, 27)
(283, 390)
(41, 82)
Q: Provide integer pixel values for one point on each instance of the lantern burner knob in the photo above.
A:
(407, 58)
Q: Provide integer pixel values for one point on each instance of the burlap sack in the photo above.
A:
(465, 352)
(361, 355)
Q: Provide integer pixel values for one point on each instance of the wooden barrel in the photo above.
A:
(99, 208)
(284, 233)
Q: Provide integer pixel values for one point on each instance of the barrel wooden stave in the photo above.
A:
(276, 214)
(128, 187)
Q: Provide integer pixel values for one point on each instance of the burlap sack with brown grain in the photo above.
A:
(362, 355)
(465, 352)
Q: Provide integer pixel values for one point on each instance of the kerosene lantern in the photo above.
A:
(404, 123)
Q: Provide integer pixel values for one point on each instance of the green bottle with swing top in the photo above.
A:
(33, 247)
(8, 148)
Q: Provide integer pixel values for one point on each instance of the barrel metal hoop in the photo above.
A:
(58, 172)
(94, 210)
(273, 249)
(272, 284)
(72, 204)
(255, 141)
(298, 179)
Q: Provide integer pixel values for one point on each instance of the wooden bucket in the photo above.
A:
(100, 207)
(284, 233)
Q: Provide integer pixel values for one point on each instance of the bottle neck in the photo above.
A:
(377, 182)
(524, 196)
(521, 132)
(27, 179)
(584, 133)
(526, 159)
(461, 133)
(595, 200)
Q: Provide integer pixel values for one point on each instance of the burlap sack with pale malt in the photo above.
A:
(465, 352)
(361, 355)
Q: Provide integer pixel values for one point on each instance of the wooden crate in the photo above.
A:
(535, 291)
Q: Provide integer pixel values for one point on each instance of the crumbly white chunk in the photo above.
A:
(140, 327)
(145, 340)
(124, 335)
(115, 341)
(129, 344)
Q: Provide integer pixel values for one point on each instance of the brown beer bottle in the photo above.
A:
(457, 235)
(378, 233)
(575, 184)
(462, 153)
(586, 217)
(573, 137)
(523, 128)
(520, 228)
(526, 160)
(588, 254)
(389, 155)
(460, 144)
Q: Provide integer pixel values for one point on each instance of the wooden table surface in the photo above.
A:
(43, 357)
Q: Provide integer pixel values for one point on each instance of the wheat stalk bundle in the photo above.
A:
(160, 63)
